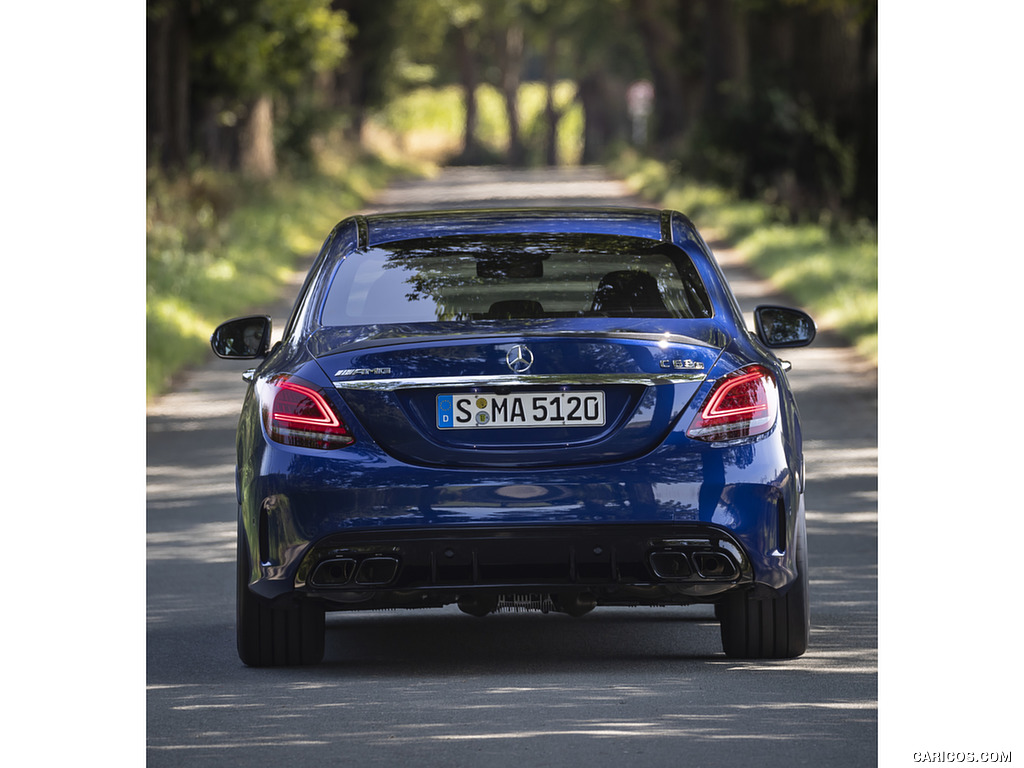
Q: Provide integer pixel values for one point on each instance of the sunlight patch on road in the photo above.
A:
(163, 482)
(643, 730)
(196, 405)
(854, 706)
(846, 662)
(827, 459)
(262, 742)
(842, 517)
(205, 543)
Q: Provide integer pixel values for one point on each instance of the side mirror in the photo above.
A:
(243, 338)
(783, 327)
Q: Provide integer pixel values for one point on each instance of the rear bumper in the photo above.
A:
(669, 528)
(614, 564)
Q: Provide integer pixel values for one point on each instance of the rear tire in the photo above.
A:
(775, 628)
(274, 636)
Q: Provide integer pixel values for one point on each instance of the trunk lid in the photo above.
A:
(511, 396)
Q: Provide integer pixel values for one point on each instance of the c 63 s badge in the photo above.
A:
(683, 365)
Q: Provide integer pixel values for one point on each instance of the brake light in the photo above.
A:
(742, 404)
(298, 415)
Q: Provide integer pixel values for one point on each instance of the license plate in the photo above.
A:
(533, 409)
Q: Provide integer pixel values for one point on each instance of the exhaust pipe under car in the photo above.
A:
(478, 605)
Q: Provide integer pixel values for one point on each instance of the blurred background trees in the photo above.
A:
(775, 99)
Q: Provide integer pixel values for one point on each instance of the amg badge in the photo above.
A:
(363, 372)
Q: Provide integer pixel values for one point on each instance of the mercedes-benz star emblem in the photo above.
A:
(519, 358)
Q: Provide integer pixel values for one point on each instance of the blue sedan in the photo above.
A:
(546, 409)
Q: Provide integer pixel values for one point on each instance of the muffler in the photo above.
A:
(478, 605)
(578, 604)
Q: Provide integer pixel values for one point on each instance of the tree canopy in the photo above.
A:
(775, 98)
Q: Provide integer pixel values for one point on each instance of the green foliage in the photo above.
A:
(265, 47)
(439, 113)
(827, 268)
(210, 61)
(570, 133)
(773, 145)
(217, 247)
(533, 122)
(436, 110)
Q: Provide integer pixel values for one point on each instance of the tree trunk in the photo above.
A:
(726, 56)
(158, 98)
(348, 97)
(511, 63)
(661, 43)
(604, 116)
(595, 131)
(258, 159)
(168, 112)
(182, 92)
(468, 76)
(865, 192)
(551, 113)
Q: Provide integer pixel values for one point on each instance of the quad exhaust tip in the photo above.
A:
(670, 565)
(371, 571)
(678, 566)
(714, 565)
(377, 570)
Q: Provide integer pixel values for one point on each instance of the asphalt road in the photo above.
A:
(439, 688)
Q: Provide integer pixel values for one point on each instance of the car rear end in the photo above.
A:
(556, 420)
(549, 410)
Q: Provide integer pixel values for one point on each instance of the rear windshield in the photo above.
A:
(504, 278)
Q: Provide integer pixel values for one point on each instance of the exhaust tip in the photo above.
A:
(670, 565)
(333, 573)
(377, 570)
(714, 565)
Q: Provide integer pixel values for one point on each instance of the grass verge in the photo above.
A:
(831, 271)
(218, 246)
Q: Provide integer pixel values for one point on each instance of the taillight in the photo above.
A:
(742, 404)
(297, 414)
